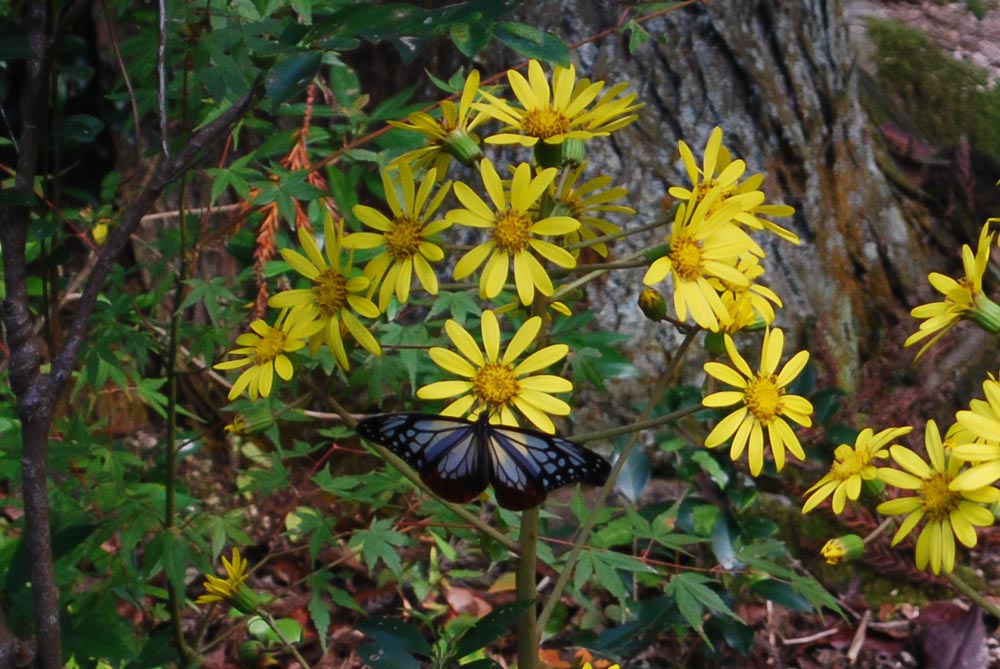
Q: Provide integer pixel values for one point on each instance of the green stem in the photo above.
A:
(637, 426)
(973, 594)
(175, 598)
(288, 644)
(596, 505)
(526, 589)
(400, 465)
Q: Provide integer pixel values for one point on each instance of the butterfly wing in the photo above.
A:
(446, 452)
(526, 465)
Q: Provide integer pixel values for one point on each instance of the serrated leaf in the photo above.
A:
(531, 42)
(319, 611)
(380, 543)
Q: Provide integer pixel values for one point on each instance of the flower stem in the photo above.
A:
(272, 623)
(977, 597)
(528, 635)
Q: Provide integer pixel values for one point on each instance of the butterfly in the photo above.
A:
(458, 458)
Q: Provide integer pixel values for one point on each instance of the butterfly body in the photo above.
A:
(458, 459)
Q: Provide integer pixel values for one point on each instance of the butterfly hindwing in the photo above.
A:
(527, 465)
(457, 458)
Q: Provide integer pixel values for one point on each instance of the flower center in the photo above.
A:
(269, 347)
(512, 231)
(544, 122)
(763, 397)
(938, 500)
(685, 254)
(330, 291)
(853, 464)
(495, 384)
(404, 240)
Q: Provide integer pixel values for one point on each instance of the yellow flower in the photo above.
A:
(335, 293)
(449, 136)
(749, 303)
(588, 203)
(494, 383)
(704, 245)
(558, 113)
(948, 514)
(852, 466)
(979, 427)
(405, 238)
(720, 174)
(513, 232)
(264, 350)
(960, 297)
(763, 403)
(231, 589)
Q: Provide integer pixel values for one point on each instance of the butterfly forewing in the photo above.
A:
(457, 458)
(444, 451)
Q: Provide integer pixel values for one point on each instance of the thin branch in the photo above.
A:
(133, 102)
(166, 172)
(161, 75)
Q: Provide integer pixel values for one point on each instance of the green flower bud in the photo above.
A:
(652, 304)
(464, 147)
(843, 549)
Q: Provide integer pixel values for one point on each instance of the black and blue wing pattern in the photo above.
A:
(458, 458)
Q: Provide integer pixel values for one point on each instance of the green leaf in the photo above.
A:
(344, 599)
(470, 37)
(637, 35)
(532, 42)
(490, 627)
(81, 128)
(781, 593)
(634, 475)
(393, 644)
(711, 466)
(693, 597)
(318, 610)
(380, 542)
(290, 76)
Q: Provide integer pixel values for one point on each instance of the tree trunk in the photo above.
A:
(781, 79)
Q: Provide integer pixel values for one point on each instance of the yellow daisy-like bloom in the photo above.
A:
(231, 589)
(704, 245)
(513, 232)
(721, 174)
(264, 351)
(979, 430)
(450, 136)
(960, 297)
(851, 466)
(555, 114)
(763, 403)
(588, 203)
(758, 296)
(493, 382)
(948, 514)
(408, 249)
(335, 293)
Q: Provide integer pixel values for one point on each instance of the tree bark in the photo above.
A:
(781, 79)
